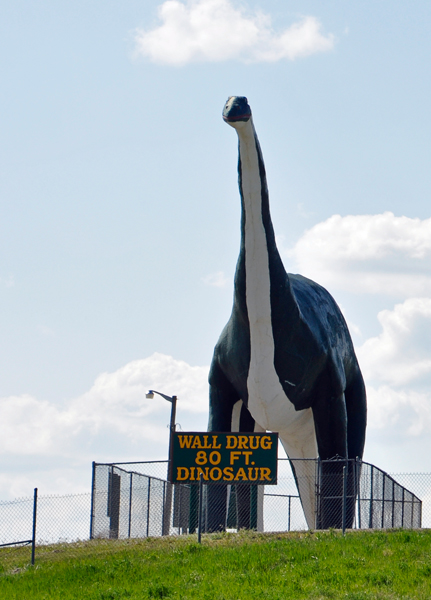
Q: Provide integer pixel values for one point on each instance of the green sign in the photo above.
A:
(225, 457)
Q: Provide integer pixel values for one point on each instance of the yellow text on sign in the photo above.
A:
(245, 442)
(227, 474)
(241, 442)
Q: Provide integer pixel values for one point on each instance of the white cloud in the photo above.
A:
(113, 421)
(129, 384)
(401, 354)
(115, 402)
(396, 366)
(399, 413)
(384, 407)
(217, 30)
(218, 279)
(381, 254)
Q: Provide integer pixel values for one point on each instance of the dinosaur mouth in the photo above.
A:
(233, 118)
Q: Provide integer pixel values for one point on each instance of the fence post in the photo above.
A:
(114, 499)
(178, 501)
(343, 518)
(193, 508)
(370, 520)
(167, 507)
(164, 508)
(358, 472)
(200, 509)
(148, 505)
(318, 488)
(253, 506)
(288, 516)
(93, 482)
(33, 539)
(130, 503)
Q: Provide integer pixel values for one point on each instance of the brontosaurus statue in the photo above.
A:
(285, 352)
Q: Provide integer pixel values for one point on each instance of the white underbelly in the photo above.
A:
(267, 401)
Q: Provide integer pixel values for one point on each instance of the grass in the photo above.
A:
(362, 565)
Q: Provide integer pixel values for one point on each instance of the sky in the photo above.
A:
(119, 222)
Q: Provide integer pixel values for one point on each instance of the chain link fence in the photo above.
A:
(134, 500)
(129, 502)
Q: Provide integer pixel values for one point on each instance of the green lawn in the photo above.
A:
(362, 565)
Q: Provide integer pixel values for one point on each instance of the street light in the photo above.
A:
(173, 401)
(168, 497)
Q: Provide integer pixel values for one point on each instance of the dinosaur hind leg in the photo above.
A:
(248, 500)
(356, 407)
(330, 420)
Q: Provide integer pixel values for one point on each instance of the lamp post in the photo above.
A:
(168, 499)
(173, 401)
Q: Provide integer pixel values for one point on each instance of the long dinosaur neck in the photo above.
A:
(253, 186)
(261, 274)
(259, 255)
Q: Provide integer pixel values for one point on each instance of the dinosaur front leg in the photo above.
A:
(222, 400)
(299, 442)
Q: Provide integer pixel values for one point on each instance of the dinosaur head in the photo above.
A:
(236, 111)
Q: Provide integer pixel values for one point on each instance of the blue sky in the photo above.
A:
(120, 211)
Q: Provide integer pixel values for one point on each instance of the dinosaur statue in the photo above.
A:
(285, 352)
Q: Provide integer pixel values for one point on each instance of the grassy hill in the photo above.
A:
(315, 565)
